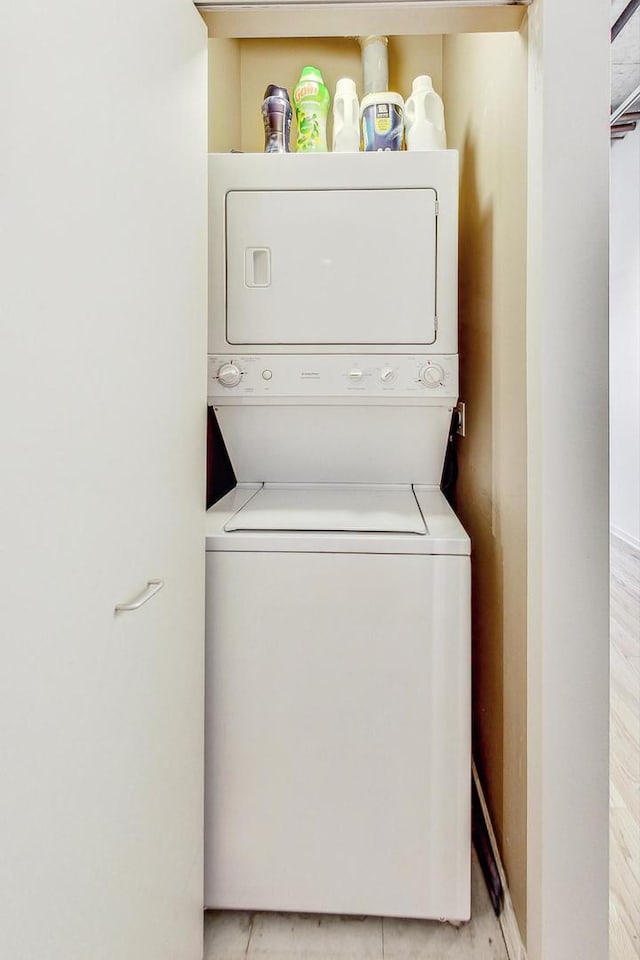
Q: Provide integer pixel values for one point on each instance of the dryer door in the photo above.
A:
(331, 267)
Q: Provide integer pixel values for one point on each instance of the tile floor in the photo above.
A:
(287, 936)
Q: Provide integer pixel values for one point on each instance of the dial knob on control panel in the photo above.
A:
(355, 374)
(432, 375)
(229, 375)
(387, 374)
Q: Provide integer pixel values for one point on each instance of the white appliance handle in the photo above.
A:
(152, 587)
(257, 266)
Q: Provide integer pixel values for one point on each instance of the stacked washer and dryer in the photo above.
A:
(338, 577)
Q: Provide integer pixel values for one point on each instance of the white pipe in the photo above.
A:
(375, 64)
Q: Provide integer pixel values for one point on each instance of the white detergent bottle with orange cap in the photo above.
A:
(424, 117)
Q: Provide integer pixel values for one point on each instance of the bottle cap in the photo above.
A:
(311, 73)
(273, 90)
(345, 85)
(387, 96)
(422, 83)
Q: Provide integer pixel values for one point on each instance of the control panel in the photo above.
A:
(320, 375)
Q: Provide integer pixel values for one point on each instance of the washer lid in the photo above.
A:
(357, 508)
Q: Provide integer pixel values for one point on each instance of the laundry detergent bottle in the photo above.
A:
(311, 101)
(424, 117)
(382, 117)
(346, 118)
(276, 116)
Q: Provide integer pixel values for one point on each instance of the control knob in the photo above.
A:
(387, 374)
(229, 375)
(432, 375)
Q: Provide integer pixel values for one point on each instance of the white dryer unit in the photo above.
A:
(333, 253)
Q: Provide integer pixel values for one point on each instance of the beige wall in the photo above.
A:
(225, 128)
(243, 68)
(485, 93)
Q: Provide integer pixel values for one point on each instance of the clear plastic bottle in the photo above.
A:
(311, 99)
(346, 118)
(424, 117)
(276, 116)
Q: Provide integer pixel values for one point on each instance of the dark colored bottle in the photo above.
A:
(276, 114)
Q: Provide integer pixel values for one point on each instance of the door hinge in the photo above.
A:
(437, 207)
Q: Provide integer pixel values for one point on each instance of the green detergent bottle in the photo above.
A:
(311, 100)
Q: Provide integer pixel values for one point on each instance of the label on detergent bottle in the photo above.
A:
(382, 122)
(381, 118)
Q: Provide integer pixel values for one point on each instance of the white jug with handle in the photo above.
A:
(346, 118)
(424, 117)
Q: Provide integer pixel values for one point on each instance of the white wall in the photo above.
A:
(624, 338)
(567, 490)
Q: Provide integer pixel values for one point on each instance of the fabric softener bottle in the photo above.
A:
(276, 115)
(311, 100)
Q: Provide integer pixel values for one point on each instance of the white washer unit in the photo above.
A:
(338, 578)
(338, 736)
